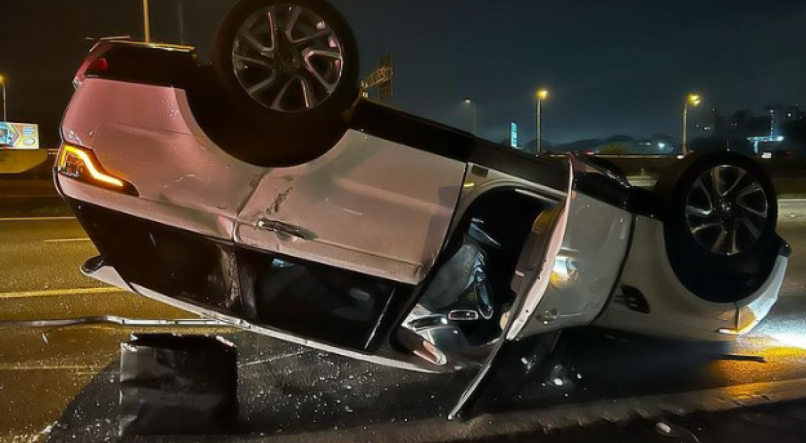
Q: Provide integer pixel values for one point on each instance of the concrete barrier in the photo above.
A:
(20, 161)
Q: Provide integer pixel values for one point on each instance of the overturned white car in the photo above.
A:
(263, 192)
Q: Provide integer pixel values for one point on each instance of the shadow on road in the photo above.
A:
(288, 390)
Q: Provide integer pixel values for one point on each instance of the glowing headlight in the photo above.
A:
(564, 272)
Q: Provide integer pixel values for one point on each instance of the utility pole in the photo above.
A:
(693, 99)
(475, 132)
(5, 102)
(685, 130)
(473, 109)
(180, 6)
(146, 21)
(541, 95)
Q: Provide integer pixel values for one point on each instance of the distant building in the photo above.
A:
(793, 114)
(721, 125)
(777, 116)
(745, 131)
(772, 134)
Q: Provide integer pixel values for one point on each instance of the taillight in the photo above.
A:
(82, 164)
(95, 64)
(98, 66)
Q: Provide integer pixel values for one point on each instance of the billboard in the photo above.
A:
(19, 135)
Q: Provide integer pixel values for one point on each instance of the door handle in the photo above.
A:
(284, 229)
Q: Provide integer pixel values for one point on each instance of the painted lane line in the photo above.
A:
(59, 292)
(35, 219)
(68, 368)
(112, 320)
(67, 240)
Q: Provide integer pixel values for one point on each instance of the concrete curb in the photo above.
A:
(556, 418)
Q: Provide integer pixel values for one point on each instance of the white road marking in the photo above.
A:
(86, 369)
(33, 219)
(59, 293)
(67, 240)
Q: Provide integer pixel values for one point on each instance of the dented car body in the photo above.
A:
(404, 242)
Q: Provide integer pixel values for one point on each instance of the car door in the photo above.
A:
(586, 266)
(564, 278)
(327, 247)
(500, 376)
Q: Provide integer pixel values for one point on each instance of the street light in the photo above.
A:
(180, 14)
(469, 101)
(694, 100)
(542, 95)
(5, 106)
(146, 21)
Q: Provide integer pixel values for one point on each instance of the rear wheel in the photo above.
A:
(720, 220)
(727, 210)
(291, 68)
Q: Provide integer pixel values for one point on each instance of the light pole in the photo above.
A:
(541, 95)
(473, 109)
(146, 21)
(5, 102)
(180, 12)
(695, 100)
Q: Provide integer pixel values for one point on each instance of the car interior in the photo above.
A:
(465, 306)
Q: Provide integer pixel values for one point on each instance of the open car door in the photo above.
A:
(565, 276)
(529, 283)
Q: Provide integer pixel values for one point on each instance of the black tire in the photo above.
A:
(724, 273)
(303, 133)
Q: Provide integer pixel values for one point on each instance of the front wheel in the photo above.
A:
(720, 220)
(291, 67)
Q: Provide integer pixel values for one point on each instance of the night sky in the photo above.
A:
(613, 67)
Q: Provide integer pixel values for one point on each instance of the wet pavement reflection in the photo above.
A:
(60, 384)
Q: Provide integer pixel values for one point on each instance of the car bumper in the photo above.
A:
(755, 308)
(670, 310)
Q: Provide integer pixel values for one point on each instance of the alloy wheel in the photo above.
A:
(287, 58)
(727, 210)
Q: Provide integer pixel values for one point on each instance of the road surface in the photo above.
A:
(60, 385)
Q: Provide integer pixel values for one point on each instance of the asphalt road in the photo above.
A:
(60, 384)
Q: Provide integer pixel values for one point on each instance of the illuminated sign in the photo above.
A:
(513, 134)
(19, 136)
